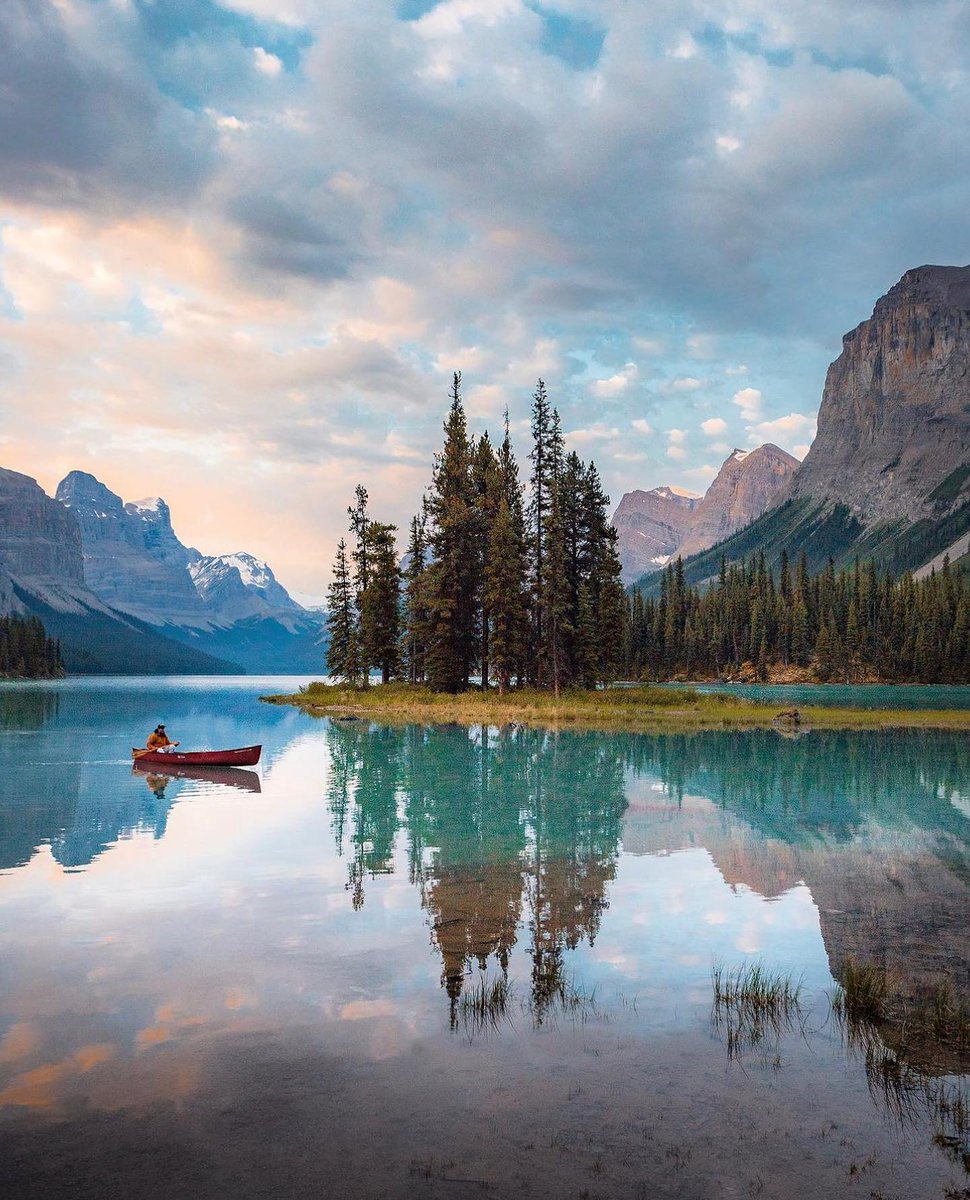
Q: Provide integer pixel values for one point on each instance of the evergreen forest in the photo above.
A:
(497, 585)
(26, 652)
(516, 583)
(850, 626)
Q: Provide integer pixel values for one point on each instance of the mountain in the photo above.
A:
(226, 605)
(651, 526)
(666, 522)
(748, 483)
(893, 441)
(42, 573)
(888, 475)
(132, 558)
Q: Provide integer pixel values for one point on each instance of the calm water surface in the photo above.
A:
(266, 983)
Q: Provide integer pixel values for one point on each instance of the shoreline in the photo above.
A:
(647, 709)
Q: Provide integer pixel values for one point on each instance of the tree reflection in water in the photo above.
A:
(504, 828)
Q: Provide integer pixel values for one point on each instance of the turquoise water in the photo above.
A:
(868, 695)
(266, 982)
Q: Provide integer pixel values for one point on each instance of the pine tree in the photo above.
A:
(553, 596)
(344, 660)
(416, 614)
(506, 583)
(452, 594)
(539, 502)
(380, 609)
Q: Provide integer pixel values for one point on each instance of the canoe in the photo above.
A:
(245, 756)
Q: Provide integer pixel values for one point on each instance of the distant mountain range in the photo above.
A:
(668, 522)
(115, 584)
(888, 475)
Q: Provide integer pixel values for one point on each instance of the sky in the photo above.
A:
(244, 244)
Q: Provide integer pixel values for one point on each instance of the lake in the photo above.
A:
(402, 961)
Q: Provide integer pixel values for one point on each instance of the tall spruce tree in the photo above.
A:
(344, 659)
(380, 606)
(453, 589)
(506, 595)
(555, 629)
(539, 502)
(414, 648)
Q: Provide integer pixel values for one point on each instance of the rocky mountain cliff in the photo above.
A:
(132, 558)
(240, 585)
(893, 440)
(651, 526)
(39, 541)
(748, 483)
(666, 522)
(230, 606)
(42, 573)
(888, 475)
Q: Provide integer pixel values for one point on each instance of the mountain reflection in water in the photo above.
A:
(523, 827)
(319, 979)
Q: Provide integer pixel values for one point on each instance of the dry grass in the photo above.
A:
(643, 708)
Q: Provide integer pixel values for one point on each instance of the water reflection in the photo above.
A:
(28, 709)
(158, 775)
(516, 833)
(503, 828)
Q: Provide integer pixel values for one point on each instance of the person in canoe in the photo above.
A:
(159, 741)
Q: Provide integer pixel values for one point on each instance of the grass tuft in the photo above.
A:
(753, 1007)
(486, 1006)
(863, 994)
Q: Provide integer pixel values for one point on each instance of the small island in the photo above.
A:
(638, 708)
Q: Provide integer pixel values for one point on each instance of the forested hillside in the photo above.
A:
(852, 625)
(26, 652)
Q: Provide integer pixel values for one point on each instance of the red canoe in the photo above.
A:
(245, 756)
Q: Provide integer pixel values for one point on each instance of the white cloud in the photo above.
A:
(685, 47)
(677, 437)
(682, 384)
(676, 452)
(593, 433)
(713, 426)
(789, 432)
(787, 427)
(642, 426)
(727, 143)
(616, 384)
(702, 474)
(749, 400)
(740, 369)
(266, 63)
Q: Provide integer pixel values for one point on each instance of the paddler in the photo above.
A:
(159, 741)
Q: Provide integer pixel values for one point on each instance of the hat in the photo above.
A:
(160, 725)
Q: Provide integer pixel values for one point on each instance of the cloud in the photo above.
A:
(682, 385)
(787, 431)
(703, 474)
(749, 401)
(238, 216)
(83, 122)
(676, 448)
(266, 63)
(616, 384)
(713, 426)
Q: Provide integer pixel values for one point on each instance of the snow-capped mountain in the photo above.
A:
(229, 605)
(240, 585)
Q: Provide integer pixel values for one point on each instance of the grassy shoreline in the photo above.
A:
(647, 709)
